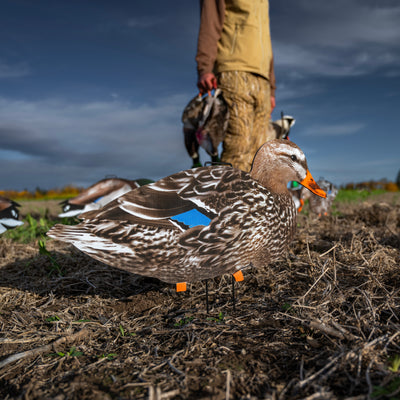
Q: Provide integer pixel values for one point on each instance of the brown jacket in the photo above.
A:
(235, 35)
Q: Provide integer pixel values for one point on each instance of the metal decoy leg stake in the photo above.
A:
(236, 277)
(207, 305)
(233, 293)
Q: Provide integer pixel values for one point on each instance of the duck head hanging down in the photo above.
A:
(199, 223)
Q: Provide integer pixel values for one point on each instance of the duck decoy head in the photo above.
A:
(280, 161)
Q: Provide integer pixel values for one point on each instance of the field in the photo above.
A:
(323, 323)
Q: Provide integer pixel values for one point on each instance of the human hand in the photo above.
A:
(207, 82)
(273, 103)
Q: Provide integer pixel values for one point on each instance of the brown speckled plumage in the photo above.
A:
(205, 120)
(252, 220)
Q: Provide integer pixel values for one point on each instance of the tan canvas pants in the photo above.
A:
(249, 102)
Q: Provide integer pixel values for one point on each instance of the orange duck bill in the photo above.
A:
(310, 184)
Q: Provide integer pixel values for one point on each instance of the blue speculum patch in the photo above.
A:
(192, 218)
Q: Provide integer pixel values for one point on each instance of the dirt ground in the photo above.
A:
(323, 323)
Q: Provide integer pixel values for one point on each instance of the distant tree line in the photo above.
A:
(71, 191)
(382, 184)
(42, 194)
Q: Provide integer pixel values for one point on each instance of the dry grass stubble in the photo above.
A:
(323, 323)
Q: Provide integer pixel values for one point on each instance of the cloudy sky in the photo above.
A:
(96, 88)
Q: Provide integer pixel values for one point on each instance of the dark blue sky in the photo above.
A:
(93, 88)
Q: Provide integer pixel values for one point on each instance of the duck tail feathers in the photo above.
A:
(88, 242)
(67, 233)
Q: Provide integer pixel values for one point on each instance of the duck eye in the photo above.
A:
(293, 157)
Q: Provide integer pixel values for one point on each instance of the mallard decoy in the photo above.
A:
(9, 214)
(322, 206)
(281, 127)
(98, 195)
(296, 191)
(199, 223)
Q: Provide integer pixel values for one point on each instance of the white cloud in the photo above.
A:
(334, 130)
(379, 162)
(342, 23)
(357, 171)
(18, 70)
(301, 61)
(90, 140)
(341, 38)
(144, 21)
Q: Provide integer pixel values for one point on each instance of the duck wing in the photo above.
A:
(180, 201)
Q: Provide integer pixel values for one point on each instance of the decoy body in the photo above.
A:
(9, 214)
(322, 206)
(281, 127)
(200, 223)
(98, 195)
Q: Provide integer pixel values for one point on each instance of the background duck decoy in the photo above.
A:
(322, 206)
(296, 191)
(200, 223)
(9, 214)
(99, 194)
(281, 127)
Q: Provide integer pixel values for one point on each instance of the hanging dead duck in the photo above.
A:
(205, 120)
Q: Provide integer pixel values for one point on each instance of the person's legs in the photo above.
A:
(262, 115)
(237, 146)
(248, 99)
